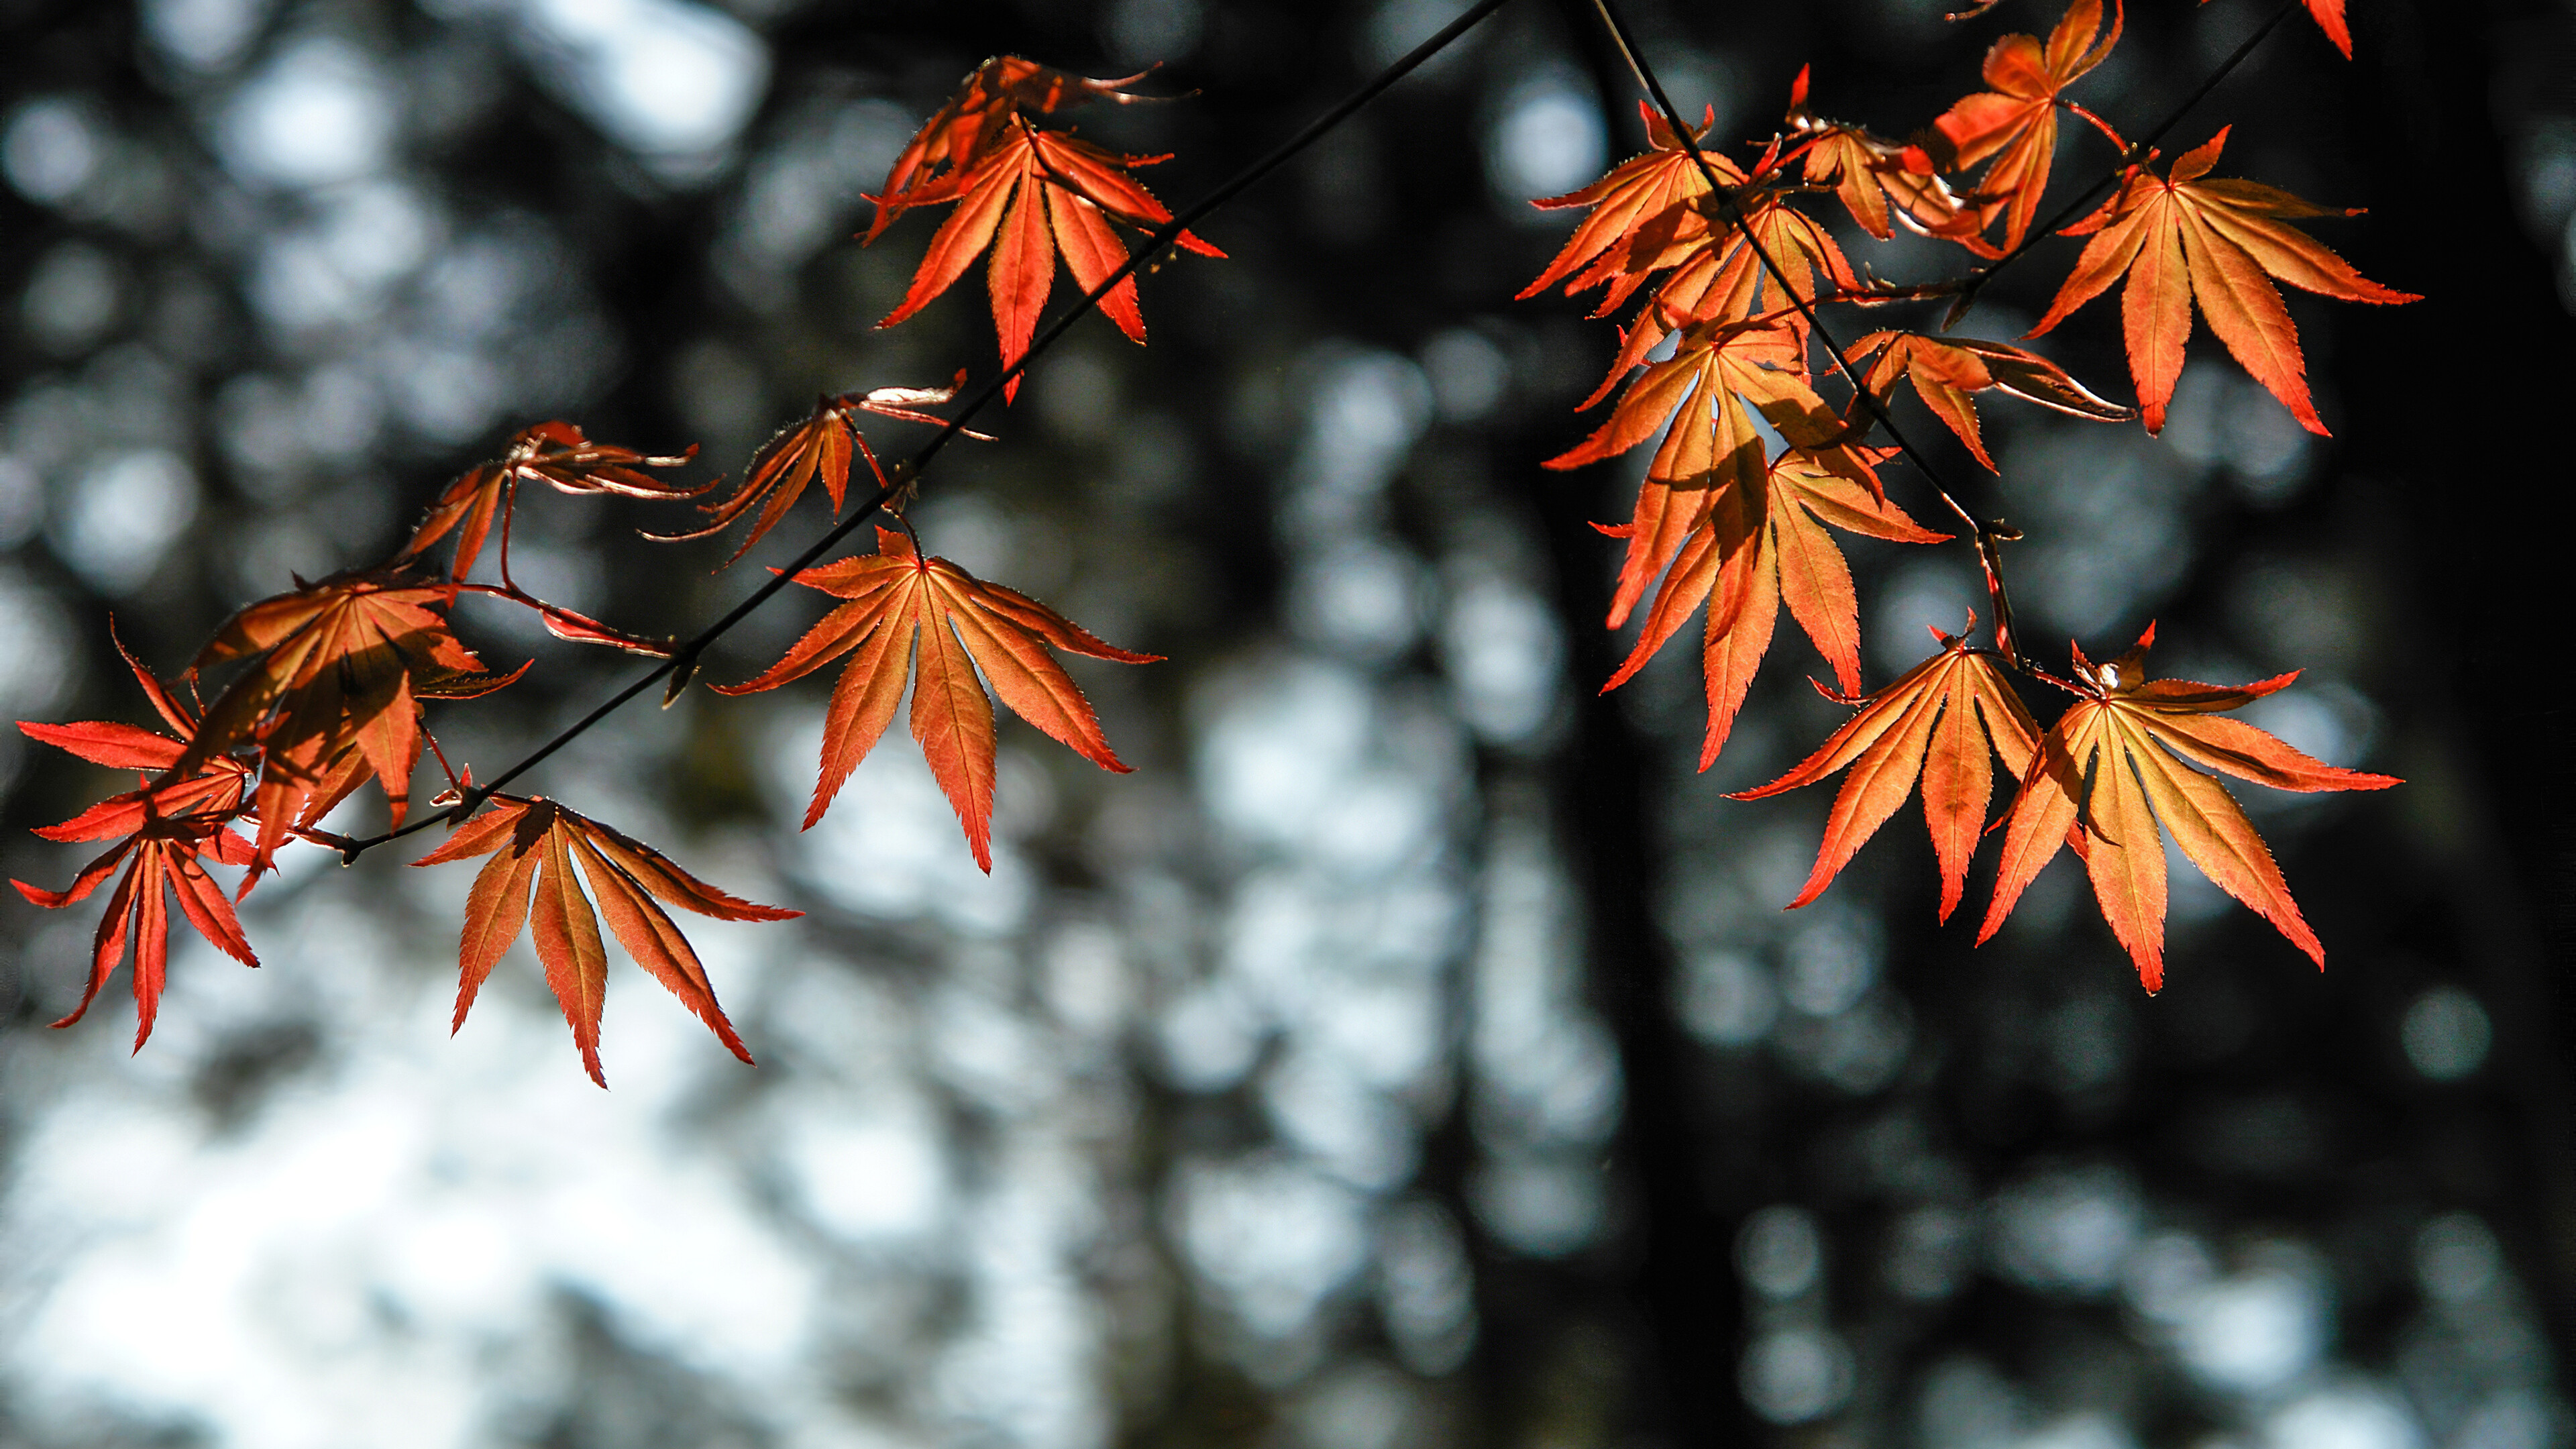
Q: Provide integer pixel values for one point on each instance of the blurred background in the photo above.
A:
(1412, 1051)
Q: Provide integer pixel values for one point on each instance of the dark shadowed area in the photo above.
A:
(1413, 1051)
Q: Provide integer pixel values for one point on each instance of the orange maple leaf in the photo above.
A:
(534, 843)
(1937, 722)
(898, 597)
(168, 824)
(2013, 127)
(2119, 763)
(1753, 548)
(1726, 280)
(1033, 195)
(818, 448)
(1874, 176)
(1711, 442)
(1945, 370)
(1644, 217)
(555, 454)
(2181, 237)
(162, 855)
(971, 124)
(1654, 213)
(2328, 14)
(330, 695)
(213, 790)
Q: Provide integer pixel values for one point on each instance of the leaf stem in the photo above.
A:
(684, 656)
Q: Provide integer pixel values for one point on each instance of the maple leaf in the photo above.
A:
(1755, 547)
(1711, 442)
(1655, 213)
(534, 843)
(1032, 196)
(818, 448)
(213, 790)
(2119, 763)
(965, 129)
(2013, 127)
(899, 600)
(167, 826)
(2181, 237)
(1871, 174)
(2328, 14)
(556, 454)
(162, 856)
(1936, 723)
(1644, 216)
(1945, 370)
(1727, 280)
(330, 693)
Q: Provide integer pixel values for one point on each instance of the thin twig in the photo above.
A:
(684, 656)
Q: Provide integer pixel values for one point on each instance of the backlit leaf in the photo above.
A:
(328, 692)
(1945, 370)
(910, 614)
(530, 880)
(164, 856)
(2012, 128)
(973, 122)
(2181, 237)
(556, 454)
(818, 449)
(1874, 177)
(1028, 196)
(1757, 546)
(1936, 724)
(2119, 763)
(1699, 399)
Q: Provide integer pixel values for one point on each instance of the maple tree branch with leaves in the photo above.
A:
(1752, 472)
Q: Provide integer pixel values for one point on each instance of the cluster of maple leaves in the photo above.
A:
(1727, 269)
(1732, 271)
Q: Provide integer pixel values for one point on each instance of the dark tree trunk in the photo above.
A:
(2448, 403)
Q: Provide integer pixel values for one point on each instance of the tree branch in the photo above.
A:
(684, 657)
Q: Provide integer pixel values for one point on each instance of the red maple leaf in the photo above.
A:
(1644, 217)
(2328, 14)
(818, 448)
(556, 454)
(2181, 237)
(1758, 544)
(212, 788)
(1032, 195)
(911, 615)
(1936, 723)
(961, 133)
(330, 692)
(1875, 178)
(167, 824)
(163, 855)
(1699, 399)
(1945, 370)
(2013, 127)
(2128, 757)
(534, 843)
